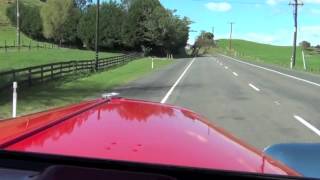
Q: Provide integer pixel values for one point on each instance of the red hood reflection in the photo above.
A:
(148, 132)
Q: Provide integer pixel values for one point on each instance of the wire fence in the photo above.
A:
(34, 75)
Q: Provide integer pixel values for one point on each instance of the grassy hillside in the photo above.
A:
(278, 55)
(24, 58)
(7, 31)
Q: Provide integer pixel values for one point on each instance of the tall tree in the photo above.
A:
(86, 27)
(305, 44)
(60, 19)
(30, 20)
(111, 32)
(139, 18)
(112, 16)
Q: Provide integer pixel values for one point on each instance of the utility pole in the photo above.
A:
(230, 40)
(18, 23)
(295, 14)
(97, 36)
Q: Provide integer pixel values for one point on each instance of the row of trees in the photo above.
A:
(125, 25)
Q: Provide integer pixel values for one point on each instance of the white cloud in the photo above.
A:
(219, 6)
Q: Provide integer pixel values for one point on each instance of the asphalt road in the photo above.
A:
(261, 105)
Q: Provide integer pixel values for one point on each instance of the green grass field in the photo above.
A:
(276, 55)
(26, 58)
(65, 92)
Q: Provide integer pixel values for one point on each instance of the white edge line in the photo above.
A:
(235, 74)
(254, 87)
(274, 71)
(165, 98)
(307, 124)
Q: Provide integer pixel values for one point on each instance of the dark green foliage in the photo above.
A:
(112, 18)
(305, 44)
(86, 27)
(60, 20)
(205, 39)
(140, 25)
(150, 25)
(30, 20)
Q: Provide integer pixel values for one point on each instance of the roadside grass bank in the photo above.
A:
(268, 54)
(69, 91)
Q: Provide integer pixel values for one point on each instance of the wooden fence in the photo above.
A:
(39, 74)
(29, 46)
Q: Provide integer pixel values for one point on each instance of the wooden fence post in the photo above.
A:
(29, 76)
(51, 71)
(14, 75)
(5, 45)
(30, 45)
(76, 64)
(41, 73)
(61, 69)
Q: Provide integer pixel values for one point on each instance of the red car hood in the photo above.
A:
(138, 131)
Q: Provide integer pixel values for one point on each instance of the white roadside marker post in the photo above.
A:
(304, 61)
(152, 65)
(14, 100)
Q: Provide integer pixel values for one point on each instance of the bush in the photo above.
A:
(305, 44)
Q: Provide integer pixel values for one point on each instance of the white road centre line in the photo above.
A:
(165, 98)
(307, 124)
(226, 67)
(254, 87)
(235, 74)
(274, 71)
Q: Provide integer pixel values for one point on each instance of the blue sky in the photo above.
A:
(266, 21)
